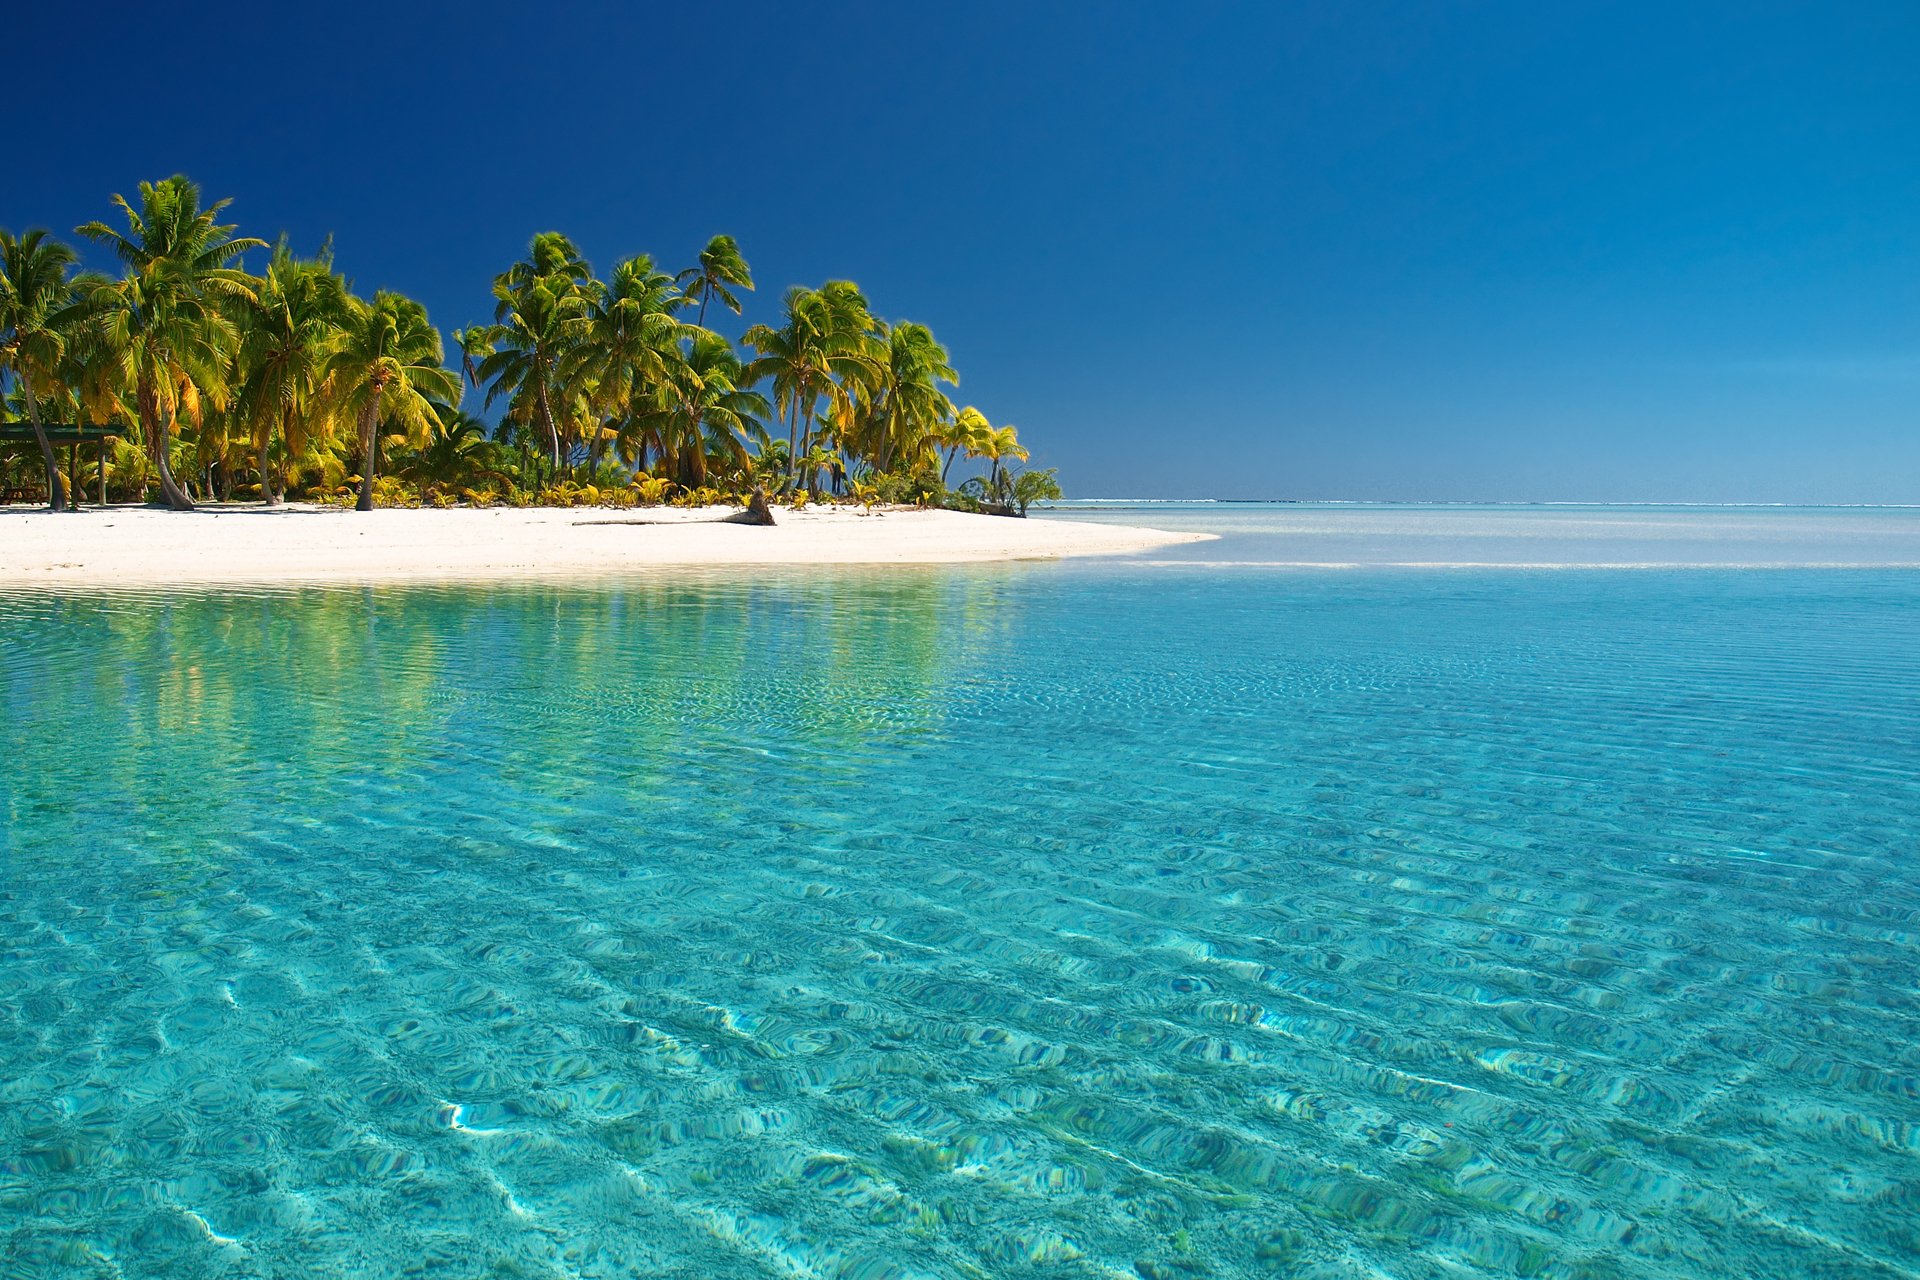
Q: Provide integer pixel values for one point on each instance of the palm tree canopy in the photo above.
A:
(628, 334)
(390, 360)
(172, 243)
(35, 293)
(298, 317)
(549, 255)
(170, 315)
(721, 265)
(906, 407)
(537, 324)
(184, 342)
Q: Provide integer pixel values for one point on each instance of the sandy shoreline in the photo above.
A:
(133, 546)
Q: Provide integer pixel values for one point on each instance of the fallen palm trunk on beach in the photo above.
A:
(757, 512)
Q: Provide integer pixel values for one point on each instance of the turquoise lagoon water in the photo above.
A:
(1163, 918)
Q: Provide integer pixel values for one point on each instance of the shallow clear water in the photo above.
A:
(1376, 534)
(1097, 920)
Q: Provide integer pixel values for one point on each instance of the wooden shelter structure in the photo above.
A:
(73, 436)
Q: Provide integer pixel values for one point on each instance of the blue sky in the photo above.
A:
(1494, 250)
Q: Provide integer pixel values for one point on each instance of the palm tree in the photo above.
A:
(91, 380)
(702, 408)
(907, 406)
(388, 365)
(167, 318)
(720, 265)
(539, 308)
(36, 300)
(995, 444)
(784, 356)
(962, 434)
(628, 339)
(537, 328)
(286, 337)
(461, 453)
(824, 349)
(851, 361)
(475, 345)
(550, 255)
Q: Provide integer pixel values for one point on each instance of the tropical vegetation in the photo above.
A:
(214, 382)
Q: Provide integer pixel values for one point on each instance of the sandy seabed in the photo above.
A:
(145, 545)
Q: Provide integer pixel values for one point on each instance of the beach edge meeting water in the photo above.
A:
(128, 545)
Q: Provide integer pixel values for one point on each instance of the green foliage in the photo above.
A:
(386, 492)
(720, 266)
(230, 384)
(36, 318)
(1009, 490)
(169, 321)
(1030, 487)
(920, 488)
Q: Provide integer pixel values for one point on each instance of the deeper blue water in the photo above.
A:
(1160, 918)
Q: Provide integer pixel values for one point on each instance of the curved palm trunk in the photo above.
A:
(806, 445)
(793, 451)
(883, 447)
(599, 449)
(156, 434)
(56, 483)
(696, 454)
(546, 422)
(369, 447)
(267, 494)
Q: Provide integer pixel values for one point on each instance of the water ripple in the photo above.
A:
(963, 924)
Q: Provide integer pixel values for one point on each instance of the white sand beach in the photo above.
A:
(149, 546)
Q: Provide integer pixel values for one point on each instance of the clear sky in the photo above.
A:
(1491, 250)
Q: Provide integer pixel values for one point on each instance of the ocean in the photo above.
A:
(1372, 892)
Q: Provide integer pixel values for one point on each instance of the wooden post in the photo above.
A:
(73, 475)
(103, 471)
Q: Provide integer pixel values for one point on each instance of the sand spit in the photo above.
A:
(131, 546)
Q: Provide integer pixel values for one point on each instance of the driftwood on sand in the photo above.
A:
(757, 512)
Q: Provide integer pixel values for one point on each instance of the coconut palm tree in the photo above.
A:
(36, 305)
(784, 357)
(628, 339)
(538, 326)
(285, 339)
(539, 311)
(702, 409)
(720, 266)
(906, 405)
(168, 317)
(996, 445)
(462, 452)
(960, 434)
(823, 349)
(388, 366)
(91, 380)
(550, 255)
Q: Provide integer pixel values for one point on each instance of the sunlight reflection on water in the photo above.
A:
(1093, 920)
